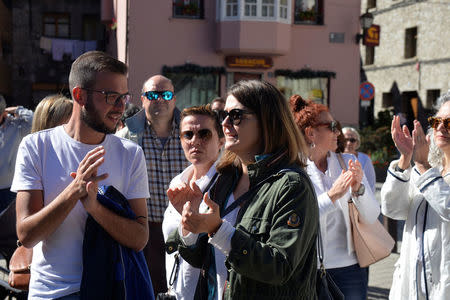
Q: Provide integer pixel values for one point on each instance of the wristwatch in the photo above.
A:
(360, 191)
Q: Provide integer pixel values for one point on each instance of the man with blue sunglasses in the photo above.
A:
(156, 129)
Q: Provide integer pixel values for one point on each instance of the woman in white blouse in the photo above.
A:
(334, 187)
(202, 138)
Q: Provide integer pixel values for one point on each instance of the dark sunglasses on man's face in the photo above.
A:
(332, 126)
(203, 134)
(154, 95)
(351, 140)
(435, 121)
(235, 115)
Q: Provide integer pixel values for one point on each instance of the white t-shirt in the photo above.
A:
(44, 162)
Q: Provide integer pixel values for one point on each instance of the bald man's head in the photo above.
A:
(157, 83)
(160, 108)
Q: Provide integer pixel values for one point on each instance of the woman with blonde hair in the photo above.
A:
(352, 143)
(52, 111)
(263, 215)
(420, 195)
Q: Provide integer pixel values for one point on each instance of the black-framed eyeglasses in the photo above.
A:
(332, 126)
(112, 98)
(351, 140)
(204, 134)
(235, 115)
(435, 121)
(154, 95)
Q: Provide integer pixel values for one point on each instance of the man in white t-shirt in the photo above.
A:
(58, 171)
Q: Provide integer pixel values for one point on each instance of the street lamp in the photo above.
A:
(366, 20)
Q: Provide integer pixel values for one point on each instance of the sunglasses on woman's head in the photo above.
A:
(332, 126)
(154, 95)
(435, 121)
(203, 134)
(235, 115)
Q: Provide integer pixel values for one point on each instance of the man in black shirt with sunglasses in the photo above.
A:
(156, 129)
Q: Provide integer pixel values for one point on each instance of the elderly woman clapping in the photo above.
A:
(420, 195)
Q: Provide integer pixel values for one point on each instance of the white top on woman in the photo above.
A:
(334, 217)
(187, 277)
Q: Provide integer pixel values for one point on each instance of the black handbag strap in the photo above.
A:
(249, 193)
(211, 182)
(320, 252)
(174, 273)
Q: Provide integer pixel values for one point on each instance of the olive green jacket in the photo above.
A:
(273, 249)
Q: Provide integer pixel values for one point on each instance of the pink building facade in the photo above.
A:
(304, 47)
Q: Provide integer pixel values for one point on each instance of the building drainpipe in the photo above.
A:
(126, 34)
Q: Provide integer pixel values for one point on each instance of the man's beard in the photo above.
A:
(91, 117)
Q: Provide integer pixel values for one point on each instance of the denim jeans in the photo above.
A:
(352, 281)
(74, 296)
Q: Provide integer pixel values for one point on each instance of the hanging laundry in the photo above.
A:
(58, 47)
(77, 48)
(90, 46)
(45, 43)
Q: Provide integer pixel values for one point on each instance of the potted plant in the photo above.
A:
(376, 141)
(306, 16)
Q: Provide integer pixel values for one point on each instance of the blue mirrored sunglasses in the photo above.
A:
(154, 95)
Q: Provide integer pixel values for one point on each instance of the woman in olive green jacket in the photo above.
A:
(263, 214)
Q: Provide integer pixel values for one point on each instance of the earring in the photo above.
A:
(312, 145)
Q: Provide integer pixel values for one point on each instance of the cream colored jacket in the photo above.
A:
(404, 196)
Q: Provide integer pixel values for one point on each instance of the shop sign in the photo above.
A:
(372, 36)
(249, 62)
(316, 94)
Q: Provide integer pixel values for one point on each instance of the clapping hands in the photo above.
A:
(186, 200)
(182, 193)
(415, 146)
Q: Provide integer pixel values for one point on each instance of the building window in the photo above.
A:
(256, 10)
(268, 8)
(371, 3)
(308, 12)
(232, 8)
(250, 8)
(432, 96)
(388, 100)
(410, 42)
(370, 55)
(193, 89)
(315, 89)
(191, 9)
(284, 9)
(56, 25)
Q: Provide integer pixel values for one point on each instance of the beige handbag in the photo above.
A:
(371, 241)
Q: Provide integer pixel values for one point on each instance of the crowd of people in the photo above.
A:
(219, 201)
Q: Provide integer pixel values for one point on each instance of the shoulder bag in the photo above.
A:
(371, 241)
(19, 268)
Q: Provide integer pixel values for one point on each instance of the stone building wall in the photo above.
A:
(430, 68)
(32, 66)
